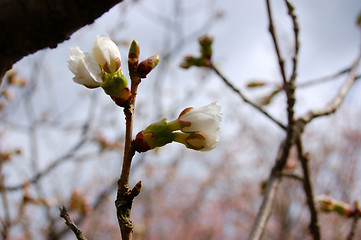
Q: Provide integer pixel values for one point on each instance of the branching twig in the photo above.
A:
(281, 62)
(125, 196)
(336, 102)
(244, 98)
(284, 150)
(66, 157)
(324, 79)
(64, 214)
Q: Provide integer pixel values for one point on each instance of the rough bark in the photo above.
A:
(30, 25)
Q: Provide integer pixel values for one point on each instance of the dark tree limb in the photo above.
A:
(30, 25)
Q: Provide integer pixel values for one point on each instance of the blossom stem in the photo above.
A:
(125, 197)
(180, 137)
(173, 125)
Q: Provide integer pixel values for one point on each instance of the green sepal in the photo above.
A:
(114, 84)
(161, 133)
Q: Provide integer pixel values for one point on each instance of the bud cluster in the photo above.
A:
(327, 203)
(143, 68)
(196, 128)
(204, 60)
(101, 68)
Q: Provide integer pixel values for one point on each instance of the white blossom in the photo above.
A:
(107, 53)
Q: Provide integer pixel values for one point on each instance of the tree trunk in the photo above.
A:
(30, 25)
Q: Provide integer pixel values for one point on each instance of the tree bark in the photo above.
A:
(30, 25)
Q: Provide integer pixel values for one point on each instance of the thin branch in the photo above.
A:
(284, 150)
(6, 222)
(125, 196)
(292, 176)
(307, 186)
(356, 218)
(64, 214)
(67, 156)
(281, 62)
(293, 16)
(270, 192)
(337, 101)
(324, 79)
(244, 98)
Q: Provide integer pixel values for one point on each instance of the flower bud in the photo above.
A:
(147, 65)
(205, 119)
(255, 84)
(114, 84)
(189, 61)
(133, 56)
(328, 204)
(200, 141)
(206, 46)
(136, 190)
(155, 135)
(124, 99)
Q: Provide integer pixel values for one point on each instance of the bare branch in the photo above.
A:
(356, 218)
(324, 79)
(337, 101)
(284, 150)
(125, 196)
(244, 98)
(64, 214)
(270, 192)
(66, 157)
(307, 186)
(281, 62)
(292, 176)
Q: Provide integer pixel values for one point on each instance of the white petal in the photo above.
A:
(211, 140)
(205, 119)
(80, 68)
(106, 52)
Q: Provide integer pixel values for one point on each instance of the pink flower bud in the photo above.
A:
(147, 65)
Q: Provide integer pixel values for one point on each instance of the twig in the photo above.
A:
(125, 196)
(6, 222)
(275, 42)
(66, 157)
(64, 214)
(292, 176)
(284, 150)
(307, 186)
(356, 218)
(336, 102)
(323, 79)
(270, 191)
(244, 98)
